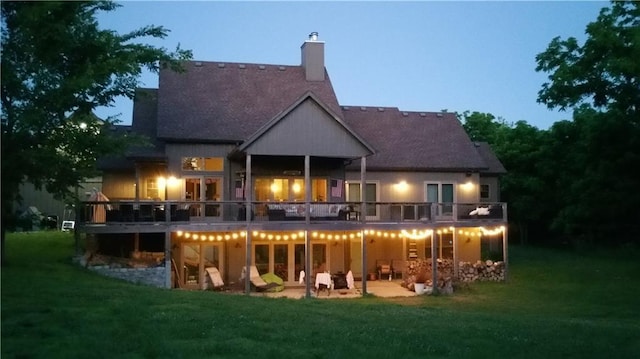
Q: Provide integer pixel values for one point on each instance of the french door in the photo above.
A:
(371, 197)
(443, 195)
(195, 258)
(286, 260)
(202, 191)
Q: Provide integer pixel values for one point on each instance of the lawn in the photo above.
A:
(556, 304)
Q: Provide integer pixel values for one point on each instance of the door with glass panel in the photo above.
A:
(277, 259)
(442, 195)
(195, 259)
(203, 191)
(371, 197)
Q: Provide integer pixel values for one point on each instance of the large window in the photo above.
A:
(203, 164)
(289, 189)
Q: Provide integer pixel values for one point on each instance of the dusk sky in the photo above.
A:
(417, 56)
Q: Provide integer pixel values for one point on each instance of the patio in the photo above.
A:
(380, 288)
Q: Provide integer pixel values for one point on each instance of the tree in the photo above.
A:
(605, 71)
(596, 155)
(57, 67)
(518, 146)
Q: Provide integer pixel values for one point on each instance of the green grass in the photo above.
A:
(556, 304)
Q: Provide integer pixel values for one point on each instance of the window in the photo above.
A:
(203, 164)
(484, 191)
(289, 189)
(152, 188)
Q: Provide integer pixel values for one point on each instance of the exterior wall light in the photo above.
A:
(402, 186)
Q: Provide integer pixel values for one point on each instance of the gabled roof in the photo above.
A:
(229, 102)
(411, 141)
(344, 141)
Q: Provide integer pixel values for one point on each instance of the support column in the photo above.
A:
(167, 259)
(307, 221)
(248, 208)
(455, 254)
(505, 253)
(363, 220)
(137, 184)
(434, 262)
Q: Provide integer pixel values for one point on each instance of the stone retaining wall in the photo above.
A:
(153, 276)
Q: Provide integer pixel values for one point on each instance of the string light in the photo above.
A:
(493, 232)
(413, 234)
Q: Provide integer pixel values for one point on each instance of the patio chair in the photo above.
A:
(258, 283)
(398, 266)
(215, 277)
(384, 269)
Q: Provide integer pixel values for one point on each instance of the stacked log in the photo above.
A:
(467, 272)
(481, 271)
(424, 267)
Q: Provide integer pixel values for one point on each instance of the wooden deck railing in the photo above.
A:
(234, 211)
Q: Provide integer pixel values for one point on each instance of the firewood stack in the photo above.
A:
(481, 270)
(467, 272)
(445, 273)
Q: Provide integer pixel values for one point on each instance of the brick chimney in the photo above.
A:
(313, 58)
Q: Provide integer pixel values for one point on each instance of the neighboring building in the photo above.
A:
(49, 207)
(228, 136)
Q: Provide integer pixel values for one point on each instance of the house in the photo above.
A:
(260, 165)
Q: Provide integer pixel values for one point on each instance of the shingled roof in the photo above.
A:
(228, 102)
(490, 158)
(214, 102)
(412, 141)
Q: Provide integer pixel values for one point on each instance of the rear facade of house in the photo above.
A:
(260, 165)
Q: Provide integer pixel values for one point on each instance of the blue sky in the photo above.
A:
(417, 56)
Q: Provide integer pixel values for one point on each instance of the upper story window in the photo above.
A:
(289, 189)
(202, 164)
(484, 191)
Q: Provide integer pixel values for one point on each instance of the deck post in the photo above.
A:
(307, 222)
(363, 220)
(249, 190)
(167, 258)
(434, 262)
(505, 245)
